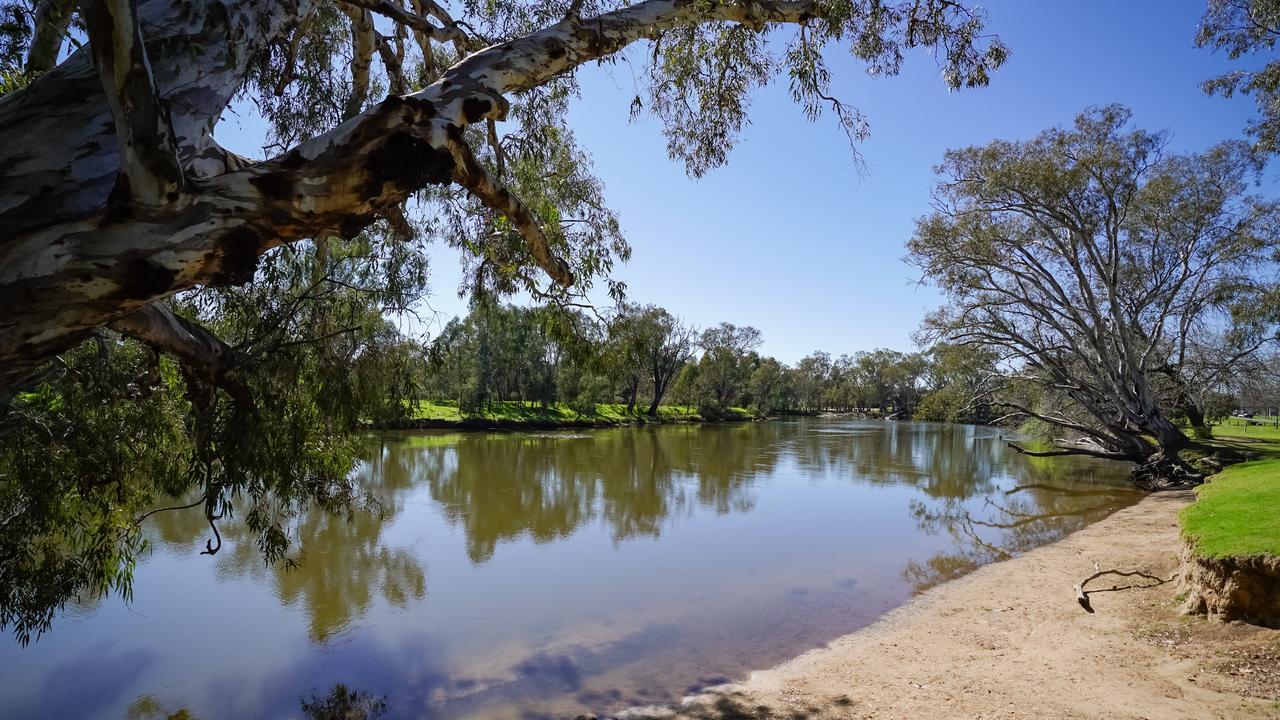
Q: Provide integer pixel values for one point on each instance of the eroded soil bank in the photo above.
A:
(1231, 588)
(1010, 640)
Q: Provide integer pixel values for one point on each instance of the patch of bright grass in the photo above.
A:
(1238, 513)
(1237, 430)
(515, 411)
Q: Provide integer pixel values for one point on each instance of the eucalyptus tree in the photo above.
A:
(725, 366)
(770, 387)
(1091, 259)
(956, 378)
(624, 351)
(117, 195)
(1245, 28)
(888, 378)
(646, 347)
(182, 320)
(814, 373)
(668, 346)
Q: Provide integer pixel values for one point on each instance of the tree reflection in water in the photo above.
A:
(342, 703)
(342, 563)
(501, 488)
(547, 486)
(1052, 499)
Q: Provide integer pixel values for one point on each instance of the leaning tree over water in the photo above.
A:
(1099, 265)
(117, 194)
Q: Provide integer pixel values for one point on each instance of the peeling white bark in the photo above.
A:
(72, 259)
(149, 170)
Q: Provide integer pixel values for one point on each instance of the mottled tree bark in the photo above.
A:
(91, 234)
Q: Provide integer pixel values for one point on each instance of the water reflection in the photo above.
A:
(342, 563)
(547, 486)
(518, 575)
(342, 703)
(1053, 499)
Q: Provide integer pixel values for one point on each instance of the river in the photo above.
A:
(529, 575)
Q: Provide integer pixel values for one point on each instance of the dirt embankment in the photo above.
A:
(1231, 588)
(1010, 640)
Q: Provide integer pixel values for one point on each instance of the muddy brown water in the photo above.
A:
(530, 575)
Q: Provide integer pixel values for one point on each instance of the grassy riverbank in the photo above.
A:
(515, 415)
(1237, 513)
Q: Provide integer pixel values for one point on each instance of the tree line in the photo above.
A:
(643, 356)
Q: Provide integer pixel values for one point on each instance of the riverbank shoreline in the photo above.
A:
(1011, 640)
(482, 423)
(517, 415)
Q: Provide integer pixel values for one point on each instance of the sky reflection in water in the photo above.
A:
(523, 575)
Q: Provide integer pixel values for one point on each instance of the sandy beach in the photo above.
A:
(1010, 640)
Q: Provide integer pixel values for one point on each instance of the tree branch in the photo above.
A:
(50, 29)
(200, 352)
(291, 52)
(471, 175)
(364, 40)
(1057, 452)
(150, 173)
(418, 23)
(391, 61)
(1082, 596)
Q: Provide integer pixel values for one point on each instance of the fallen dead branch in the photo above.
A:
(1082, 596)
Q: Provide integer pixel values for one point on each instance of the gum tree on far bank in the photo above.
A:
(1110, 275)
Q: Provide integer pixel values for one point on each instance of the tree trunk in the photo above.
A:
(1195, 416)
(90, 234)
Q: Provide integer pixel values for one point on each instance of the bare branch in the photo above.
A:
(291, 53)
(200, 352)
(499, 157)
(1082, 596)
(1105, 455)
(391, 61)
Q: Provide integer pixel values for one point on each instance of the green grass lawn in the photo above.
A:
(1234, 427)
(1238, 512)
(515, 411)
(1254, 440)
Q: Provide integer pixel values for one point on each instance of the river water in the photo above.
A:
(529, 575)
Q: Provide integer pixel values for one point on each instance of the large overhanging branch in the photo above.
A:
(149, 170)
(202, 354)
(80, 270)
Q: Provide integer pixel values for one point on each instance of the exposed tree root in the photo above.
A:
(1165, 472)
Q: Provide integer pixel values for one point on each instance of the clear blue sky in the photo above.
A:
(790, 237)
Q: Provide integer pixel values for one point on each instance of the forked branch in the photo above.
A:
(150, 173)
(398, 13)
(1082, 596)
